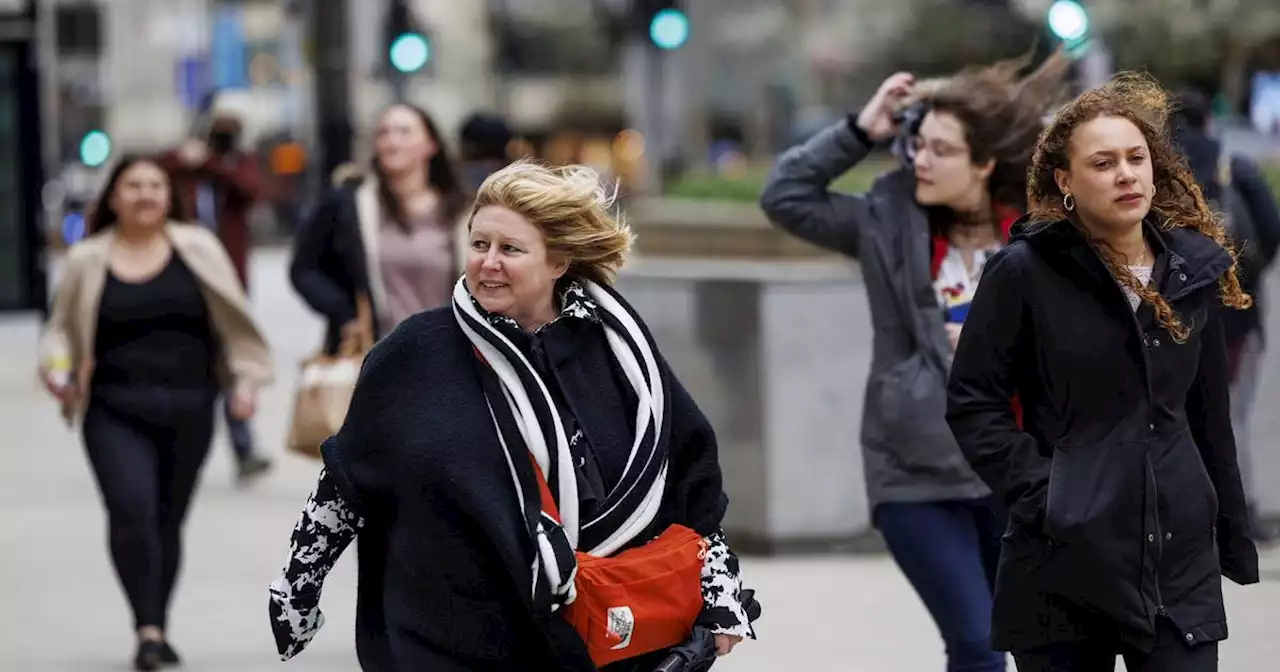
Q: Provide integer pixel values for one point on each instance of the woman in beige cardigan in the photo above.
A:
(148, 323)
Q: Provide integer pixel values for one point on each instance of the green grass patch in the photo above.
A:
(746, 187)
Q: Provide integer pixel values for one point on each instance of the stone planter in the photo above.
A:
(772, 337)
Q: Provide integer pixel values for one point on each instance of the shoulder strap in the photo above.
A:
(1224, 170)
(544, 491)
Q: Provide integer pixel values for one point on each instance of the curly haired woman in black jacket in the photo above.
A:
(1105, 316)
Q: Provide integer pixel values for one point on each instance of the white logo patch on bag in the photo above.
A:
(621, 623)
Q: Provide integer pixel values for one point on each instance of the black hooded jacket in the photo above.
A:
(1125, 494)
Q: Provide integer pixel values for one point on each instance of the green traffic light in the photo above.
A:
(669, 29)
(410, 52)
(1068, 20)
(95, 148)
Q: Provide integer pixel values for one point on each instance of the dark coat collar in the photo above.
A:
(578, 314)
(1193, 260)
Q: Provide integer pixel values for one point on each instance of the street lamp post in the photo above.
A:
(408, 49)
(329, 47)
(656, 28)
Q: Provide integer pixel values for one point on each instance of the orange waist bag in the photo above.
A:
(641, 600)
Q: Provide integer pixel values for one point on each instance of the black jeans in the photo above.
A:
(147, 446)
(1170, 654)
(949, 552)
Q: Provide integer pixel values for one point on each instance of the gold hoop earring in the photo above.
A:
(1068, 202)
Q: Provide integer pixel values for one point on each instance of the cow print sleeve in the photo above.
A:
(323, 532)
(722, 609)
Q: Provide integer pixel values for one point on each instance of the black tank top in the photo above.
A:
(155, 333)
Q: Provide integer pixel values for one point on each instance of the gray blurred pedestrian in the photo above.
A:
(1236, 187)
(485, 138)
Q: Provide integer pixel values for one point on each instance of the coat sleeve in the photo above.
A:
(55, 336)
(356, 456)
(695, 487)
(696, 499)
(797, 195)
(315, 237)
(983, 381)
(723, 608)
(248, 355)
(1209, 415)
(328, 525)
(59, 330)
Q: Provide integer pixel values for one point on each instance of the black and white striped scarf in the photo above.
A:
(534, 428)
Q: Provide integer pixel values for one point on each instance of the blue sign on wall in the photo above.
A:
(191, 81)
(228, 66)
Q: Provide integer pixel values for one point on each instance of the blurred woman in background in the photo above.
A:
(922, 235)
(389, 238)
(148, 325)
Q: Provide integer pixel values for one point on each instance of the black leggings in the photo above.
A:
(147, 446)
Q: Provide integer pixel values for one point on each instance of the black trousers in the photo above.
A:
(146, 447)
(1170, 654)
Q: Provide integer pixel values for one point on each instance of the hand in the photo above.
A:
(725, 644)
(953, 334)
(353, 331)
(244, 402)
(876, 119)
(65, 392)
(193, 153)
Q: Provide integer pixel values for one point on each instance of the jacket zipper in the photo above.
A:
(1158, 542)
(1159, 538)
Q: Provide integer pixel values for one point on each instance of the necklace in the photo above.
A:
(1142, 260)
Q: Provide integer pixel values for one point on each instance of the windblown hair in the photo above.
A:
(572, 209)
(1003, 114)
(1178, 201)
(922, 92)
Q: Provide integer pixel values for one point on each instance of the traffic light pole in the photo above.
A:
(642, 68)
(329, 37)
(399, 84)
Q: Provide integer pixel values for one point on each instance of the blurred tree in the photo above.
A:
(1211, 39)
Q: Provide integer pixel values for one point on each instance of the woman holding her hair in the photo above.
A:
(922, 234)
(148, 324)
(1105, 317)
